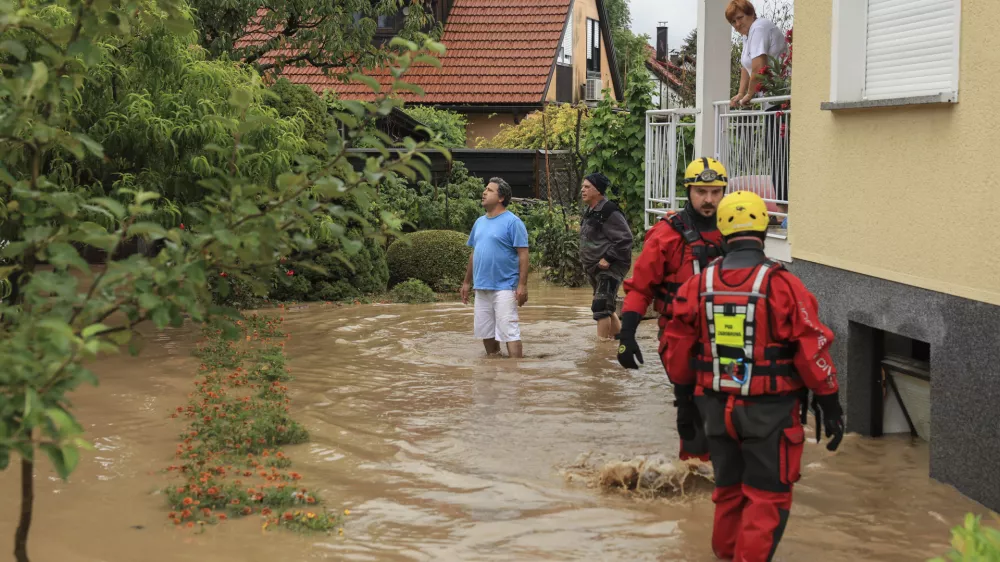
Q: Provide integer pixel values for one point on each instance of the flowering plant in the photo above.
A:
(776, 76)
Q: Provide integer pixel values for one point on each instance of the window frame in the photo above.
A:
(594, 46)
(563, 58)
(848, 49)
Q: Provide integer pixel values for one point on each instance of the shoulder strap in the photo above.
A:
(687, 232)
(609, 208)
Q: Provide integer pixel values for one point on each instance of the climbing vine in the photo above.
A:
(616, 145)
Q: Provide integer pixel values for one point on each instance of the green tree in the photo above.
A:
(154, 102)
(559, 130)
(630, 48)
(615, 143)
(59, 312)
(336, 35)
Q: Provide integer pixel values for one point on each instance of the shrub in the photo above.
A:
(449, 124)
(370, 274)
(972, 542)
(430, 256)
(412, 291)
(301, 102)
(560, 126)
(453, 206)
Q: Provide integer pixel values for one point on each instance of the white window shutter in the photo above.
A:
(590, 40)
(912, 48)
(567, 44)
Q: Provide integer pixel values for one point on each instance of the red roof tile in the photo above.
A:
(498, 52)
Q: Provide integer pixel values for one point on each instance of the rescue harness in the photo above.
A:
(741, 348)
(703, 252)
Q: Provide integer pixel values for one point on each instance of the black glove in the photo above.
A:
(628, 348)
(830, 416)
(688, 418)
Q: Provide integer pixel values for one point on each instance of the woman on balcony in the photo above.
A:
(761, 39)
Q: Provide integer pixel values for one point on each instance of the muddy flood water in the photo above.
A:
(443, 454)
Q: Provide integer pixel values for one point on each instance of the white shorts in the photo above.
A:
(496, 316)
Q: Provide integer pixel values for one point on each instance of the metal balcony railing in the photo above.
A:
(753, 146)
(669, 142)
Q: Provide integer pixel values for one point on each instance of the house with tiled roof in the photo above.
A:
(504, 60)
(672, 79)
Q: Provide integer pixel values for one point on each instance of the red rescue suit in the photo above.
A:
(673, 251)
(670, 256)
(751, 342)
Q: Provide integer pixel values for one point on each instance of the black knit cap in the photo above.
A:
(600, 181)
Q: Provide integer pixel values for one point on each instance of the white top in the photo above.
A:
(764, 38)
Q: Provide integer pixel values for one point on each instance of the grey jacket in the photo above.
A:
(605, 235)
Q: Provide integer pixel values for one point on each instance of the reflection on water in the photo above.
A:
(444, 454)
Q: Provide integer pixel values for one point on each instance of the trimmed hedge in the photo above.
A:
(436, 257)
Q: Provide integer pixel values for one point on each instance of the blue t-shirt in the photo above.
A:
(494, 244)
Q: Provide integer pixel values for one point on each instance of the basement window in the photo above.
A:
(905, 373)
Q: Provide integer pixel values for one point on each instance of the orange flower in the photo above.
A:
(310, 499)
(190, 524)
(247, 511)
(288, 516)
(266, 511)
(295, 475)
(236, 501)
(222, 517)
(185, 514)
(207, 511)
(188, 501)
(212, 491)
(180, 490)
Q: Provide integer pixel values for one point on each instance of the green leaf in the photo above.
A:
(61, 254)
(71, 458)
(161, 317)
(92, 330)
(147, 229)
(149, 301)
(32, 403)
(64, 422)
(407, 87)
(116, 208)
(15, 48)
(122, 337)
(240, 98)
(39, 77)
(372, 83)
(59, 460)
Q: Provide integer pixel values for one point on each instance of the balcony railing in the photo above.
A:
(669, 142)
(753, 146)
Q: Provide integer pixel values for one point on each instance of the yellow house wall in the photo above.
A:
(583, 9)
(908, 194)
(484, 125)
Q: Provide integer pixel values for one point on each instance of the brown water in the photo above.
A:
(443, 454)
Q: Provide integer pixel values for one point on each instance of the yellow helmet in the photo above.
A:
(742, 211)
(707, 172)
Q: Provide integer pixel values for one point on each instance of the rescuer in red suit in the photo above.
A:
(675, 248)
(744, 347)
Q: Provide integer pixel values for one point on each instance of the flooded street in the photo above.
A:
(443, 454)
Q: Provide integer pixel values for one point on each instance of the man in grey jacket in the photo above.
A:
(605, 251)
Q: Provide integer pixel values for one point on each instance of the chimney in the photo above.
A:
(661, 41)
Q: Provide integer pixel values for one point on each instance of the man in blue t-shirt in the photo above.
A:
(498, 271)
